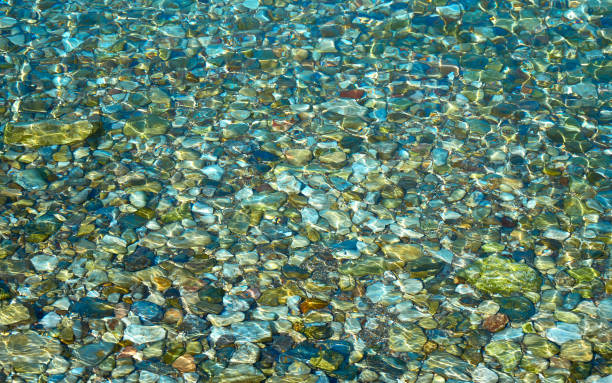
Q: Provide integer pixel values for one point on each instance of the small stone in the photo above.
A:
(352, 93)
(517, 308)
(495, 323)
(439, 156)
(7, 22)
(185, 363)
(298, 157)
(146, 126)
(94, 353)
(226, 318)
(139, 334)
(251, 4)
(44, 263)
(451, 11)
(508, 353)
(312, 304)
(148, 311)
(239, 373)
(481, 374)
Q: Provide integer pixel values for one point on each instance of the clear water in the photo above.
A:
(295, 191)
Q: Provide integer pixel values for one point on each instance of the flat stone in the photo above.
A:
(495, 323)
(185, 363)
(48, 132)
(139, 334)
(577, 351)
(406, 338)
(94, 353)
(239, 373)
(226, 318)
(44, 262)
(146, 126)
(508, 353)
(495, 274)
(13, 314)
(28, 347)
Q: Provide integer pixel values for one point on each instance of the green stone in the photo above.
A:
(540, 346)
(406, 338)
(495, 274)
(403, 251)
(239, 373)
(318, 331)
(48, 132)
(327, 360)
(239, 223)
(363, 267)
(507, 353)
(41, 229)
(583, 274)
(577, 350)
(13, 314)
(534, 363)
(146, 126)
(177, 214)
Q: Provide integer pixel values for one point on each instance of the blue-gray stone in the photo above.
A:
(563, 332)
(94, 353)
(439, 156)
(148, 311)
(92, 308)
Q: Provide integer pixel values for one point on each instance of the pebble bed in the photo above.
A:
(293, 191)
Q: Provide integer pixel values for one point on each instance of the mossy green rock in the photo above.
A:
(499, 275)
(507, 353)
(48, 132)
(406, 338)
(146, 126)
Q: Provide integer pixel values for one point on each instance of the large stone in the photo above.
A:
(495, 274)
(48, 132)
(14, 313)
(28, 347)
(94, 353)
(507, 353)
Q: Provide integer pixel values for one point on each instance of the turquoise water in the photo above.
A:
(293, 191)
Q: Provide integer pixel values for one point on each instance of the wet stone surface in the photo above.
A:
(291, 191)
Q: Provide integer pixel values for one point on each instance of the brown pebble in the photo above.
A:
(185, 363)
(495, 323)
(173, 315)
(352, 93)
(312, 304)
(121, 310)
(508, 222)
(127, 352)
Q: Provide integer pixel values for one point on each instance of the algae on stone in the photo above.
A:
(48, 132)
(495, 274)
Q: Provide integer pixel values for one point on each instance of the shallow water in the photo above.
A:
(294, 191)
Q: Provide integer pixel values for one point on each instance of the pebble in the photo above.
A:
(140, 334)
(282, 191)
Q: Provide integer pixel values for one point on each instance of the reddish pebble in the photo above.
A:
(495, 323)
(185, 363)
(352, 93)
